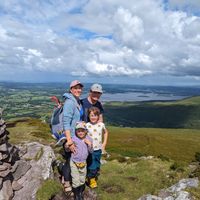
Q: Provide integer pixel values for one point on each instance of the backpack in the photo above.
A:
(56, 122)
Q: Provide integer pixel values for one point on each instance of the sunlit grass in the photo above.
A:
(48, 189)
(29, 130)
(177, 144)
(131, 181)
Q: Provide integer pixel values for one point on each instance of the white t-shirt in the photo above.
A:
(95, 131)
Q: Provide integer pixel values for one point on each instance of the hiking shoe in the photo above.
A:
(92, 183)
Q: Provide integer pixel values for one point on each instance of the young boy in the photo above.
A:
(83, 144)
(96, 130)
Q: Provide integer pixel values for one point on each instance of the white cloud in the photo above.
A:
(119, 38)
(128, 29)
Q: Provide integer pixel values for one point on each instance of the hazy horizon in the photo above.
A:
(103, 83)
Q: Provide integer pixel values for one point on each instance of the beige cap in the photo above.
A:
(80, 124)
(96, 88)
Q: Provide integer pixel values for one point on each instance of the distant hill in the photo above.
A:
(33, 100)
(169, 114)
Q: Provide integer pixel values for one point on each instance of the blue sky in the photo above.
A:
(154, 42)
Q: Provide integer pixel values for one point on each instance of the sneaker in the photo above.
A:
(93, 183)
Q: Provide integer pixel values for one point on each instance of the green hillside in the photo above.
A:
(172, 114)
(177, 144)
(131, 176)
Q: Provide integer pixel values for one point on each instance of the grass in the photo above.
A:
(131, 181)
(195, 192)
(48, 189)
(177, 144)
(174, 114)
(29, 130)
(39, 154)
(186, 101)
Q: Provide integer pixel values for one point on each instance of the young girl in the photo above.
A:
(83, 144)
(96, 130)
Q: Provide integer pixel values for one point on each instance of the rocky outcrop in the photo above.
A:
(22, 168)
(40, 158)
(8, 158)
(89, 194)
(175, 192)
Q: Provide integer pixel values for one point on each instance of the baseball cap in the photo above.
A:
(96, 88)
(74, 83)
(80, 125)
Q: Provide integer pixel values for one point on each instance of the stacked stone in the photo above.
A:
(8, 164)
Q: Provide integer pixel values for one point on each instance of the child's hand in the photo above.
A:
(71, 146)
(103, 148)
(88, 142)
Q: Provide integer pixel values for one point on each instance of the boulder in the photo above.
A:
(6, 192)
(175, 192)
(16, 186)
(21, 169)
(183, 195)
(183, 184)
(40, 158)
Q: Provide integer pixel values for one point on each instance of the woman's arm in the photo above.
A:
(67, 120)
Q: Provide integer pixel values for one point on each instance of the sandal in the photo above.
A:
(67, 186)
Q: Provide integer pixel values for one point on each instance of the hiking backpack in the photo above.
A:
(56, 123)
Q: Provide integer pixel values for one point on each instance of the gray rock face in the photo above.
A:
(175, 192)
(183, 195)
(6, 193)
(183, 184)
(22, 172)
(16, 186)
(21, 169)
(40, 159)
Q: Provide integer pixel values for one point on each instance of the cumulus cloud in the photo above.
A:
(100, 38)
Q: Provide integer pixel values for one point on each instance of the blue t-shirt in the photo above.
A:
(86, 105)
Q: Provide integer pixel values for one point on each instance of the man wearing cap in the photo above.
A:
(93, 101)
(72, 113)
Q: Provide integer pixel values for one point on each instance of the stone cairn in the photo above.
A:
(9, 165)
